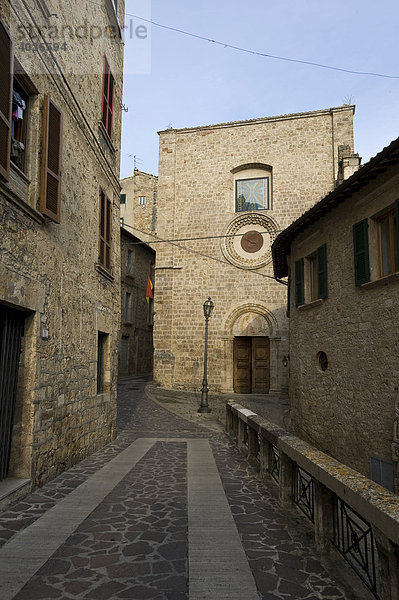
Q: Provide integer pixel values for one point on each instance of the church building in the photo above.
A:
(224, 193)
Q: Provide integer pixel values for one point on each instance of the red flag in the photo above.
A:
(150, 287)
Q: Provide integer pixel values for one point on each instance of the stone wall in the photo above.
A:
(197, 172)
(140, 218)
(348, 410)
(51, 271)
(136, 341)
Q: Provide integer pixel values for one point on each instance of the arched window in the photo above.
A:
(252, 187)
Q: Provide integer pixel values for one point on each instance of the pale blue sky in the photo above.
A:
(191, 82)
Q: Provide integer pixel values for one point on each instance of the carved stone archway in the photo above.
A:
(251, 319)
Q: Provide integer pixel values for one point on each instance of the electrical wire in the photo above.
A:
(190, 239)
(253, 52)
(262, 54)
(198, 253)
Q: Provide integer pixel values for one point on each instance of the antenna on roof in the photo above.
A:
(136, 161)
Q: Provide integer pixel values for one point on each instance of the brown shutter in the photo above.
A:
(6, 78)
(50, 192)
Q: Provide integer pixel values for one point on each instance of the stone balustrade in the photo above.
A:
(349, 512)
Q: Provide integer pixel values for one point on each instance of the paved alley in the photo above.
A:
(168, 511)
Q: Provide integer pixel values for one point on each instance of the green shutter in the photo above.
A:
(322, 271)
(299, 282)
(361, 252)
(396, 234)
(123, 199)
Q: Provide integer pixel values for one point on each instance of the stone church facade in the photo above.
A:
(60, 121)
(224, 193)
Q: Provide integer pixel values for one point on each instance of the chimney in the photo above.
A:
(348, 163)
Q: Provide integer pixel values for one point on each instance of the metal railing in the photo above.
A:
(274, 463)
(304, 492)
(354, 538)
(245, 435)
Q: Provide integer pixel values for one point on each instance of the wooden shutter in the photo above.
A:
(105, 231)
(361, 252)
(50, 192)
(322, 271)
(107, 98)
(299, 283)
(396, 234)
(6, 79)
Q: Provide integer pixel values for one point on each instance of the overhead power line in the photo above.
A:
(197, 252)
(254, 52)
(190, 239)
(262, 54)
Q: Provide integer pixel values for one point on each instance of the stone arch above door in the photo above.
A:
(251, 319)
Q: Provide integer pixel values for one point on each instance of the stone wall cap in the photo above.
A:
(289, 116)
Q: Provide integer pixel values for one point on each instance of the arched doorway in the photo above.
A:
(253, 342)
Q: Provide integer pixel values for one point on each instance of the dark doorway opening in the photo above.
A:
(11, 332)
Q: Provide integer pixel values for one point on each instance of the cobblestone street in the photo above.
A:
(169, 511)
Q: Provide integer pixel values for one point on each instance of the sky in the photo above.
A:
(177, 80)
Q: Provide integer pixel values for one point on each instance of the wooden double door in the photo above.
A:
(251, 365)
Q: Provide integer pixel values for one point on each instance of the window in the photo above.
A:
(105, 232)
(299, 282)
(108, 98)
(129, 262)
(128, 307)
(252, 194)
(311, 277)
(142, 200)
(20, 100)
(101, 356)
(322, 361)
(387, 261)
(317, 274)
(123, 199)
(361, 252)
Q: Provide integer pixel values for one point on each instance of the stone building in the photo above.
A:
(139, 202)
(343, 260)
(60, 119)
(136, 341)
(224, 193)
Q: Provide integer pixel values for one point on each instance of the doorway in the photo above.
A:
(11, 332)
(251, 357)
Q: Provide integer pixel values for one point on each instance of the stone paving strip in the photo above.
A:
(24, 554)
(134, 542)
(219, 568)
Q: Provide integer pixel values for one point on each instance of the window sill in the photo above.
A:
(103, 271)
(106, 137)
(381, 281)
(10, 195)
(312, 304)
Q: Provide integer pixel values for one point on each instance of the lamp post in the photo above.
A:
(204, 406)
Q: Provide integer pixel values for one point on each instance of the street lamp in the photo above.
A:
(204, 407)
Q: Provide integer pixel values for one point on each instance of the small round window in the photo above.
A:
(322, 361)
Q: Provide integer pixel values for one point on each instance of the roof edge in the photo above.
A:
(288, 116)
(282, 244)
